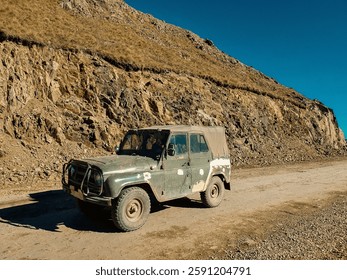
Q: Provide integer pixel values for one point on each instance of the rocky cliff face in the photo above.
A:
(57, 103)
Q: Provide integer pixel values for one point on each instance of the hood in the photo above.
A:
(116, 164)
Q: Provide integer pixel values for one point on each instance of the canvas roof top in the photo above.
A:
(215, 136)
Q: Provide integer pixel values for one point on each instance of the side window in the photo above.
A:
(198, 143)
(180, 143)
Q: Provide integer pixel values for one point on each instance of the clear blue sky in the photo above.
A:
(300, 43)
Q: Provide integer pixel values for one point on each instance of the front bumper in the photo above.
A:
(100, 200)
(79, 181)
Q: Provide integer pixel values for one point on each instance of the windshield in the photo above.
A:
(148, 143)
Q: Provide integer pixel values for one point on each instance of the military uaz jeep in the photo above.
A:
(154, 164)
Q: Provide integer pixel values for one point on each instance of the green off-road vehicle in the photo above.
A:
(154, 164)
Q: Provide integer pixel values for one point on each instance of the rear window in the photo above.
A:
(198, 144)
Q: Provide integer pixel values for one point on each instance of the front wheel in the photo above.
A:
(214, 193)
(131, 209)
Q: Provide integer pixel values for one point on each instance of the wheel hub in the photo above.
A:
(134, 210)
(214, 191)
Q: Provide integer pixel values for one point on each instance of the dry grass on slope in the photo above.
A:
(47, 22)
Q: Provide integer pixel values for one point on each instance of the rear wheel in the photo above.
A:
(131, 209)
(214, 193)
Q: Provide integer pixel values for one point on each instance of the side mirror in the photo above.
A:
(171, 150)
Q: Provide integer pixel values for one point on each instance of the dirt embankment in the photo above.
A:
(289, 212)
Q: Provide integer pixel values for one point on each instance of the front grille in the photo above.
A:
(83, 176)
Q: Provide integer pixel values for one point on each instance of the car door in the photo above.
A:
(200, 158)
(177, 173)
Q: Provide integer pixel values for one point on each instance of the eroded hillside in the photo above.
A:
(76, 74)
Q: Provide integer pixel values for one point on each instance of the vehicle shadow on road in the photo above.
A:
(184, 202)
(48, 211)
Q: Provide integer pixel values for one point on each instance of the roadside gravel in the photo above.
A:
(318, 235)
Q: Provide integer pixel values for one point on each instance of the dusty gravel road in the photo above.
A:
(46, 224)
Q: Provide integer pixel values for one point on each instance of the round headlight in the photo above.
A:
(71, 171)
(98, 179)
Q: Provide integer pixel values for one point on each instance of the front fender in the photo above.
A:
(117, 182)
